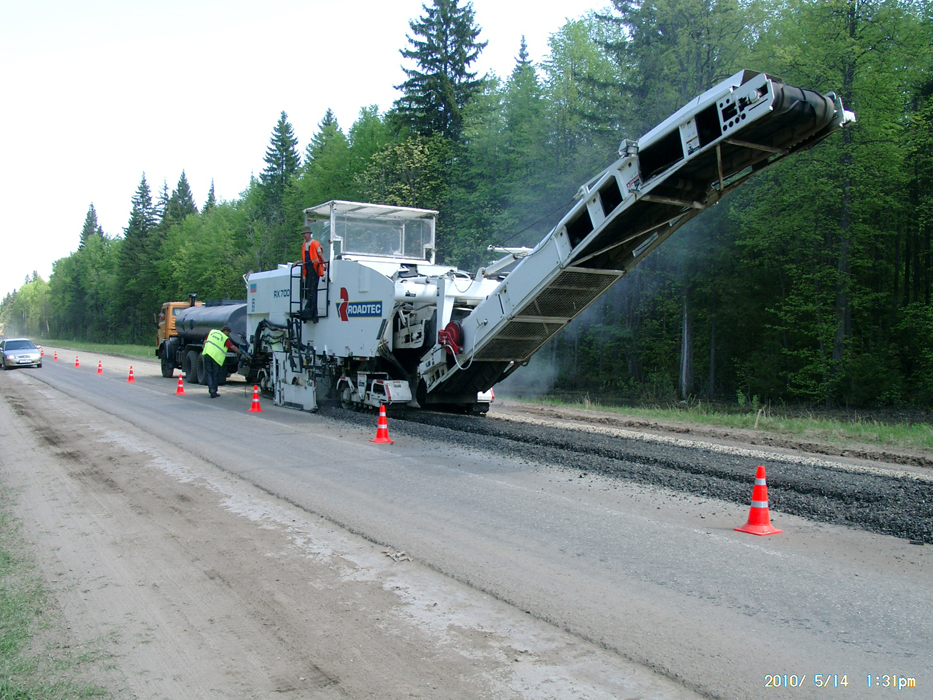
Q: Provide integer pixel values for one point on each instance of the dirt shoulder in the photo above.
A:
(190, 582)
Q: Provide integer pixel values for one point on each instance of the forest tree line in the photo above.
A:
(811, 284)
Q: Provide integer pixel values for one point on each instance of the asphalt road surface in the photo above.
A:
(508, 556)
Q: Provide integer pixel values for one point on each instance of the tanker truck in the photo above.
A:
(395, 327)
(182, 326)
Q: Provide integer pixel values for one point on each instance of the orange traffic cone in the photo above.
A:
(180, 391)
(382, 431)
(759, 517)
(41, 352)
(56, 356)
(76, 361)
(100, 367)
(255, 407)
(130, 378)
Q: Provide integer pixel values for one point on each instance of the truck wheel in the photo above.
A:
(190, 367)
(202, 373)
(168, 368)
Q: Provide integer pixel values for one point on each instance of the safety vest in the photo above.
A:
(312, 254)
(215, 348)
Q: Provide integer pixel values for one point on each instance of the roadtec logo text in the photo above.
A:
(357, 309)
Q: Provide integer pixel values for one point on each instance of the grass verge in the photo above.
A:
(143, 351)
(31, 669)
(803, 427)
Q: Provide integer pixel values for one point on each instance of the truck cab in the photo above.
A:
(165, 323)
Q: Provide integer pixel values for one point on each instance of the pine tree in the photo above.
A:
(527, 178)
(369, 134)
(522, 61)
(161, 205)
(135, 262)
(672, 50)
(181, 203)
(282, 162)
(282, 165)
(524, 105)
(142, 216)
(443, 47)
(91, 227)
(211, 199)
(326, 129)
(326, 173)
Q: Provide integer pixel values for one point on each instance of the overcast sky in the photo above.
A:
(97, 93)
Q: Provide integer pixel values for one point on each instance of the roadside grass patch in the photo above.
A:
(143, 351)
(808, 426)
(30, 668)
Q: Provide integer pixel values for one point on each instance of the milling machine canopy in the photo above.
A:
(358, 231)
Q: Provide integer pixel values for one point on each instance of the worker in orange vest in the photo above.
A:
(313, 266)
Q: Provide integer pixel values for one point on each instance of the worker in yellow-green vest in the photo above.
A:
(216, 344)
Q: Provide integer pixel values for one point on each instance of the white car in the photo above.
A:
(20, 352)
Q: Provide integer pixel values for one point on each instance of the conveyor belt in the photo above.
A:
(672, 174)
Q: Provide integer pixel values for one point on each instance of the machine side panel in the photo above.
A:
(363, 299)
(268, 296)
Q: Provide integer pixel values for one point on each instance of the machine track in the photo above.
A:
(880, 500)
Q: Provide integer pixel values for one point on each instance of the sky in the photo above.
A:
(94, 94)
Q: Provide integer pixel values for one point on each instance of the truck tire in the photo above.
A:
(190, 367)
(168, 367)
(167, 353)
(202, 373)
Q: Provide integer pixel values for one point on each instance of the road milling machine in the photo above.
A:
(395, 327)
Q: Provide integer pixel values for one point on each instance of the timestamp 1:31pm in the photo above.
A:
(891, 681)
